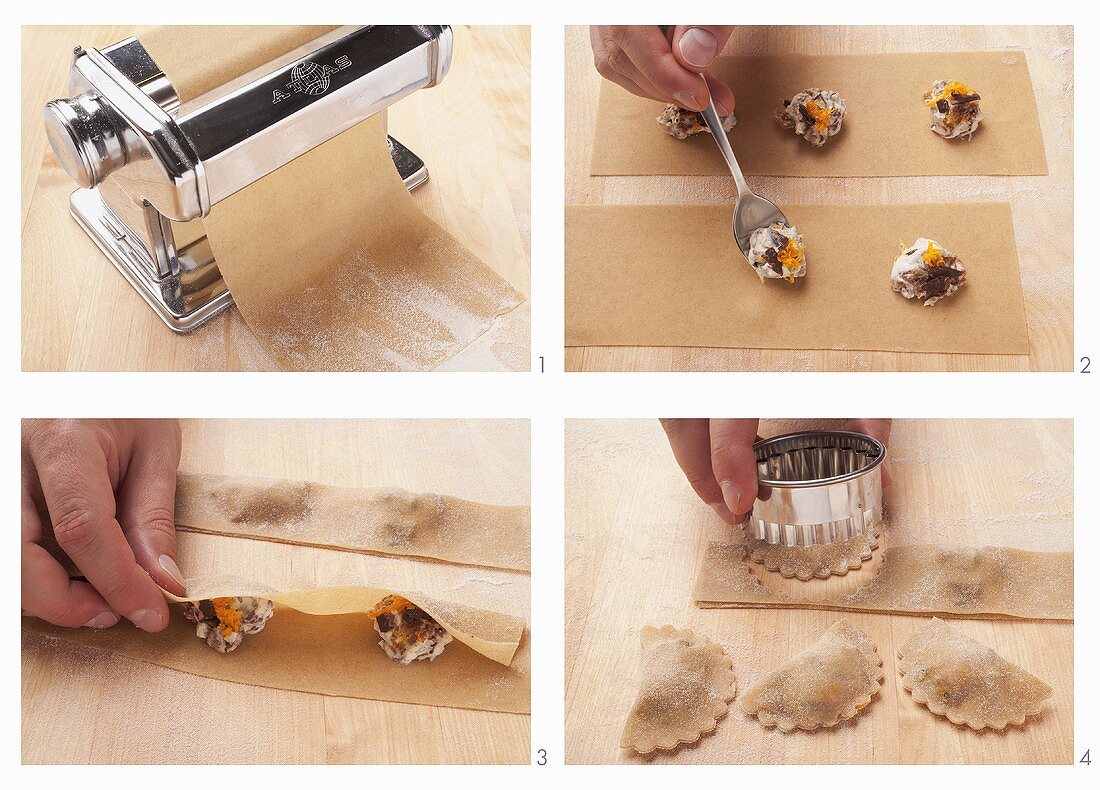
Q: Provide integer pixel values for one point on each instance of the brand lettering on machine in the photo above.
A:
(310, 78)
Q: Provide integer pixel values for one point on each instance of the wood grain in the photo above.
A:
(635, 534)
(473, 130)
(81, 705)
(1039, 202)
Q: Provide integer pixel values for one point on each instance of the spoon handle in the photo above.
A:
(710, 115)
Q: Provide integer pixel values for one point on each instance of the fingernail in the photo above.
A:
(698, 47)
(103, 620)
(724, 513)
(687, 100)
(147, 620)
(171, 568)
(723, 110)
(732, 495)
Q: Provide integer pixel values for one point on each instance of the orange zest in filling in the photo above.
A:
(391, 604)
(933, 256)
(229, 616)
(948, 90)
(792, 256)
(820, 113)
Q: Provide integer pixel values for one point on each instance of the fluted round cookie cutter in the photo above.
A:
(817, 487)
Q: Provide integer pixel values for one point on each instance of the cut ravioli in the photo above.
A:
(687, 685)
(967, 682)
(829, 682)
(813, 562)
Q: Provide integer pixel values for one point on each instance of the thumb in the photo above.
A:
(734, 462)
(146, 512)
(696, 47)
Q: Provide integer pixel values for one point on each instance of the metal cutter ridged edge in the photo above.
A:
(817, 487)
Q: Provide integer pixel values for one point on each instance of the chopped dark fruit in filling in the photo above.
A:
(408, 632)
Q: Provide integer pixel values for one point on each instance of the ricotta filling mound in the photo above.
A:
(955, 109)
(682, 124)
(928, 272)
(223, 622)
(777, 252)
(813, 114)
(408, 632)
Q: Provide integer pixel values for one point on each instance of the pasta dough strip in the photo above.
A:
(200, 58)
(987, 582)
(321, 641)
(886, 129)
(672, 276)
(373, 521)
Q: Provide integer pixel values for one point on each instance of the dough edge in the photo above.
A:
(788, 570)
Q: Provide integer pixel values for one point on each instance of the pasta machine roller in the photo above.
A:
(150, 167)
(817, 487)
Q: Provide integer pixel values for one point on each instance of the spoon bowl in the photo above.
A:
(752, 211)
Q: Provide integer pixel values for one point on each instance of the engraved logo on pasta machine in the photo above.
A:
(310, 78)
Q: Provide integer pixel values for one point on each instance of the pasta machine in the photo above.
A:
(150, 166)
(817, 487)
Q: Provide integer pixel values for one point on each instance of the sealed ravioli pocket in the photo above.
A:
(388, 521)
(992, 582)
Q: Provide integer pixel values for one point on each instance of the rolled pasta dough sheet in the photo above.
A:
(330, 262)
(200, 58)
(989, 582)
(886, 126)
(673, 276)
(321, 641)
(373, 521)
(333, 266)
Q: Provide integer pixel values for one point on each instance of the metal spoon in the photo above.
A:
(751, 211)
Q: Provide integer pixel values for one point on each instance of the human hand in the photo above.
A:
(109, 487)
(673, 68)
(716, 457)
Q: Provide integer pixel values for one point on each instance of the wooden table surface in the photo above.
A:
(81, 705)
(635, 535)
(1039, 203)
(473, 131)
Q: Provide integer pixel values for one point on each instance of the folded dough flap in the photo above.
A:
(492, 634)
